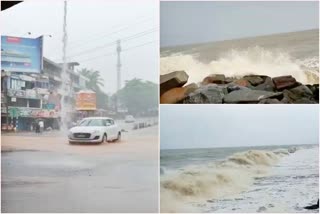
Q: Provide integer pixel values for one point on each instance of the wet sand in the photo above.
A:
(46, 174)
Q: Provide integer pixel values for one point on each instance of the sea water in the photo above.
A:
(243, 179)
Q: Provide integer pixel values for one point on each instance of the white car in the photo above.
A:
(95, 130)
(129, 119)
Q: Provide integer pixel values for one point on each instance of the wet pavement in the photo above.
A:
(43, 173)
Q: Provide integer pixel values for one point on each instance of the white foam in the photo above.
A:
(215, 180)
(254, 60)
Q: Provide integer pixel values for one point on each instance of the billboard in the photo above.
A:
(86, 100)
(21, 54)
(34, 113)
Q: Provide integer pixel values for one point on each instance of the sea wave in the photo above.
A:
(216, 180)
(236, 63)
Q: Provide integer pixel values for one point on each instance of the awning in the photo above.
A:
(26, 78)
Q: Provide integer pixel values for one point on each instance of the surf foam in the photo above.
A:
(236, 63)
(215, 180)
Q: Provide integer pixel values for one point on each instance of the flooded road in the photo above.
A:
(43, 173)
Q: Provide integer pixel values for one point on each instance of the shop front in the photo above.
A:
(23, 119)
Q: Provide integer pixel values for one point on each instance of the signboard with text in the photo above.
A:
(21, 54)
(35, 113)
(86, 101)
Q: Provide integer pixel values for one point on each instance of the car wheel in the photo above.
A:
(104, 138)
(119, 137)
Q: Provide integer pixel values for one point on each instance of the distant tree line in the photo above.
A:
(95, 81)
(137, 96)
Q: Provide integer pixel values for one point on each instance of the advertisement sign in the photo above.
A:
(21, 54)
(35, 113)
(86, 100)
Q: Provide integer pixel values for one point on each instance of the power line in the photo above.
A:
(113, 32)
(125, 39)
(85, 41)
(139, 34)
(144, 44)
(113, 53)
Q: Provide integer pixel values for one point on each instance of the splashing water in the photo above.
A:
(65, 76)
(214, 184)
(235, 63)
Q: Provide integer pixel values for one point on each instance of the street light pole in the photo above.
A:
(118, 73)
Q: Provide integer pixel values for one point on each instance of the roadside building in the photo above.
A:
(26, 97)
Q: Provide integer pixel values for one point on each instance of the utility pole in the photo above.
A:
(119, 65)
(118, 72)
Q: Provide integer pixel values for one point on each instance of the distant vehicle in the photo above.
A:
(95, 130)
(129, 119)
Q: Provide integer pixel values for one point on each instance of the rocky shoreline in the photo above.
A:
(249, 89)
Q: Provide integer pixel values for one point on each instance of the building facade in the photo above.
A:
(26, 98)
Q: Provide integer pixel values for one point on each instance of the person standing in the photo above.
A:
(41, 125)
(37, 127)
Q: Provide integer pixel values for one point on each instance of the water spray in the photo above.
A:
(64, 75)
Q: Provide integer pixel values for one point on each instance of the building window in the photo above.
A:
(19, 102)
(42, 84)
(17, 84)
(29, 85)
(33, 103)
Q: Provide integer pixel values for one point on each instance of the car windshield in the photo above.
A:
(93, 122)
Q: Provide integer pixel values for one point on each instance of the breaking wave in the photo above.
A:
(235, 63)
(216, 180)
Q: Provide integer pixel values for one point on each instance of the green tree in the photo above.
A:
(94, 83)
(139, 96)
(95, 80)
(102, 100)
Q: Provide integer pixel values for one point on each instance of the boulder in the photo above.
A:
(270, 101)
(173, 95)
(208, 94)
(233, 87)
(284, 82)
(315, 91)
(254, 79)
(249, 96)
(191, 88)
(304, 101)
(299, 95)
(302, 91)
(229, 79)
(215, 78)
(172, 80)
(242, 82)
(267, 85)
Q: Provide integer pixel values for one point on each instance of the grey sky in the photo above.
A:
(90, 24)
(204, 126)
(198, 22)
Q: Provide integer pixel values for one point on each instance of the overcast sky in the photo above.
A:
(198, 22)
(90, 25)
(205, 126)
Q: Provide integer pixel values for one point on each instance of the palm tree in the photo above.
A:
(95, 80)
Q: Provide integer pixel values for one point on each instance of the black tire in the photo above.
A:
(104, 138)
(119, 137)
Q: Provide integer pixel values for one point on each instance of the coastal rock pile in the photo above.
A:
(217, 88)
